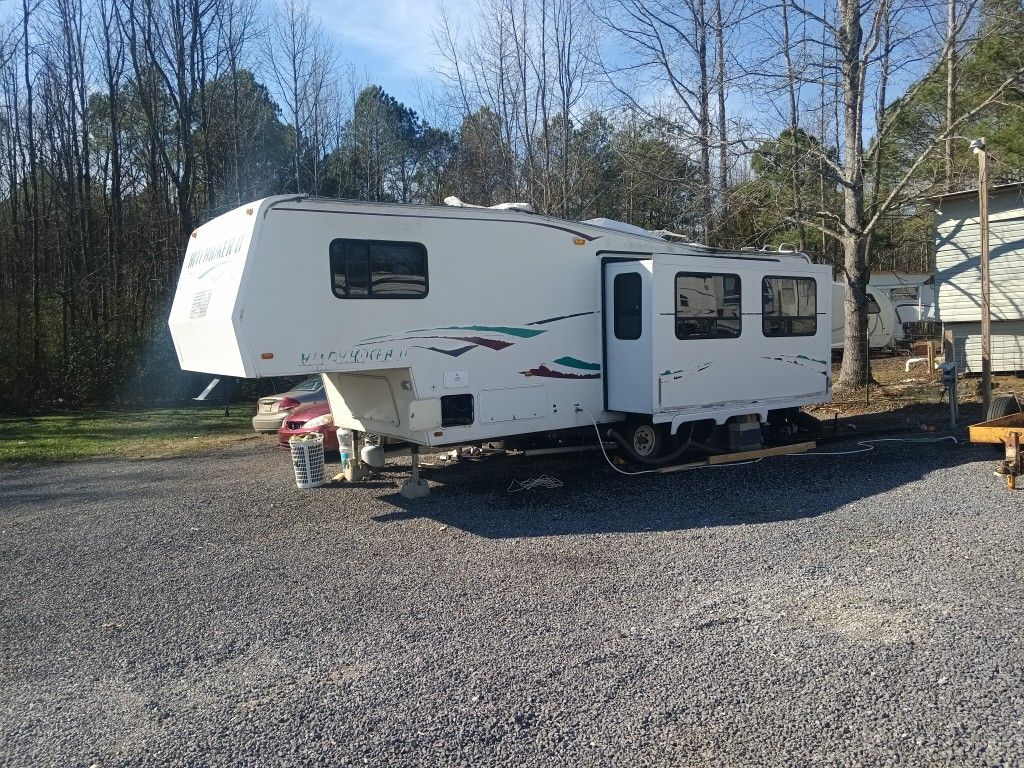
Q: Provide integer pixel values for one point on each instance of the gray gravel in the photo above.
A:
(863, 610)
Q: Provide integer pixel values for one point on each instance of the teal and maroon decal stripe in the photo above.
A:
(496, 337)
(578, 369)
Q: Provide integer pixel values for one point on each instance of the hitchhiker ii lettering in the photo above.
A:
(351, 356)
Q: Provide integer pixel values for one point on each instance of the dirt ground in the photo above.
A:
(914, 399)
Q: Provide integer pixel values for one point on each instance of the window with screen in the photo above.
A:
(789, 306)
(627, 297)
(378, 269)
(904, 293)
(707, 306)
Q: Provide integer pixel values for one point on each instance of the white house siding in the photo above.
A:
(958, 278)
(1007, 345)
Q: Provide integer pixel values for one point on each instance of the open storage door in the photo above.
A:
(628, 336)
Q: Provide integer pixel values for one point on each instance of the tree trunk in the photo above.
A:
(951, 29)
(723, 131)
(854, 370)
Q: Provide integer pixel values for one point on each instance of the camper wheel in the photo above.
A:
(644, 440)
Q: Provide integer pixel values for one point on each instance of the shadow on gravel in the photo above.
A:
(137, 484)
(475, 496)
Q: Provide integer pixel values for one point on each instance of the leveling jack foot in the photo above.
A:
(356, 473)
(414, 487)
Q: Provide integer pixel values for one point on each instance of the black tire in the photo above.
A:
(645, 441)
(999, 406)
(696, 433)
(807, 424)
(1002, 405)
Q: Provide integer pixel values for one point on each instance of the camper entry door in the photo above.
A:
(628, 335)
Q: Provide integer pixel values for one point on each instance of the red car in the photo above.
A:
(315, 417)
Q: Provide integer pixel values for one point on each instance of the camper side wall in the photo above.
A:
(491, 323)
(740, 336)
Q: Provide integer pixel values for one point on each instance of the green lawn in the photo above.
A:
(149, 434)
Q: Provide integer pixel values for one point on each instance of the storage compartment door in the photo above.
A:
(628, 335)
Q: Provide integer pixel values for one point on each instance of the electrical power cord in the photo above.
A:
(868, 445)
(544, 481)
(600, 442)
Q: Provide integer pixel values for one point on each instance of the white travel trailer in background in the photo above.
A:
(882, 323)
(913, 300)
(447, 326)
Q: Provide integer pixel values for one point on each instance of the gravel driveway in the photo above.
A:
(858, 610)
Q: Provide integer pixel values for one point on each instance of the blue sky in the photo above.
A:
(388, 42)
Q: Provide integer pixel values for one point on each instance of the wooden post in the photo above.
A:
(986, 318)
(948, 348)
(931, 356)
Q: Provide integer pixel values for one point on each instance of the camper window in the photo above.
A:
(377, 269)
(904, 293)
(873, 308)
(789, 306)
(628, 299)
(707, 306)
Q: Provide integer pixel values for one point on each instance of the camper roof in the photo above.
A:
(591, 228)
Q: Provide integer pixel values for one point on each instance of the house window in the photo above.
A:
(378, 269)
(627, 291)
(707, 306)
(789, 306)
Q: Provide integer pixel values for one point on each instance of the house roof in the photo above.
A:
(993, 191)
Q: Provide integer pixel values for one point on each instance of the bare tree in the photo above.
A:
(671, 43)
(528, 63)
(300, 64)
(874, 41)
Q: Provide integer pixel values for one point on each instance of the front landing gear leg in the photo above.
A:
(414, 487)
(356, 471)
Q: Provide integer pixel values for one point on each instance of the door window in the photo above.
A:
(627, 296)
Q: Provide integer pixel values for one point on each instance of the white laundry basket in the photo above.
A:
(308, 459)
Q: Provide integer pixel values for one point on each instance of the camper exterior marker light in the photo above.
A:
(267, 356)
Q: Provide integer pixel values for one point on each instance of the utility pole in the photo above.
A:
(978, 146)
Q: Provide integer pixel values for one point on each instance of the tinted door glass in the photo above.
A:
(627, 291)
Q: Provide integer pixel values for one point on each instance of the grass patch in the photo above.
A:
(151, 434)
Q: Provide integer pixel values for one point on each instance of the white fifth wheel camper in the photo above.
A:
(447, 326)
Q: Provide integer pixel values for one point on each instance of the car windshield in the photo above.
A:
(311, 384)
